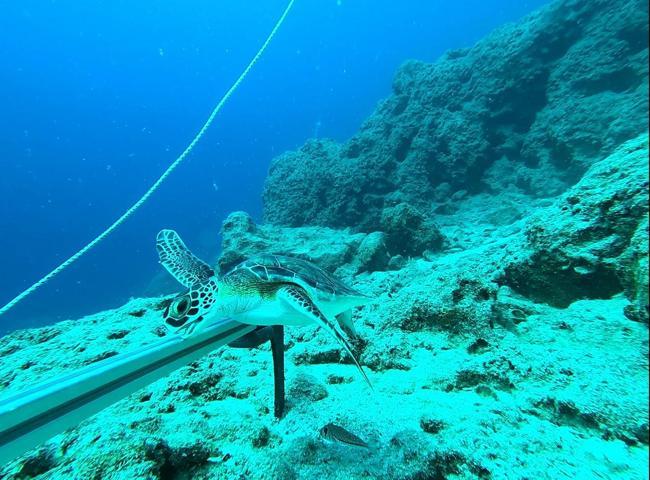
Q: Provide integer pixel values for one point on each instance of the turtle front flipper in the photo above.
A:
(297, 298)
(179, 261)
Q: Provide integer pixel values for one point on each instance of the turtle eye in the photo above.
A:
(177, 311)
(182, 306)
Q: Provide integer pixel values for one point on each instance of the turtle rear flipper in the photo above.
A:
(345, 322)
(179, 261)
(297, 298)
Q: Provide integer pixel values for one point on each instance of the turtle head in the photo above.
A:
(188, 310)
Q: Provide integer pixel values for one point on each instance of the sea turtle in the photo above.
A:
(264, 290)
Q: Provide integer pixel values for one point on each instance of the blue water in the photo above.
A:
(98, 97)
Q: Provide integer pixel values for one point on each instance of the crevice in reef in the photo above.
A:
(544, 280)
(617, 81)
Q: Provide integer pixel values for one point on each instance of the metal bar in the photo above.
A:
(274, 334)
(29, 418)
(277, 350)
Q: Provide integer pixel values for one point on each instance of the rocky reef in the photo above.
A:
(530, 107)
(495, 208)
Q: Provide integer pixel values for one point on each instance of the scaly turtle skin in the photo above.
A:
(263, 290)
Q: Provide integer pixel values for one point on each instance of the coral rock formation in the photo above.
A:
(538, 101)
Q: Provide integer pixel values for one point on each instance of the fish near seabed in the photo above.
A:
(339, 434)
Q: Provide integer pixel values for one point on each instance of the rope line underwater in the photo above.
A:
(162, 177)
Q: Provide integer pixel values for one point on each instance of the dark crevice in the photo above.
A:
(543, 280)
(552, 45)
(518, 107)
(636, 37)
(401, 104)
(618, 81)
(403, 146)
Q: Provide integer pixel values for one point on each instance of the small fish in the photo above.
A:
(340, 434)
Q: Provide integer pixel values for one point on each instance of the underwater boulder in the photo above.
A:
(408, 232)
(591, 242)
(313, 186)
(372, 254)
(239, 238)
(329, 248)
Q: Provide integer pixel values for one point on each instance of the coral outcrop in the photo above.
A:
(334, 250)
(533, 106)
(592, 242)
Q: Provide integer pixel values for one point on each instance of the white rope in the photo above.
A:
(162, 177)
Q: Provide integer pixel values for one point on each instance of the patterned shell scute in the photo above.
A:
(279, 268)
